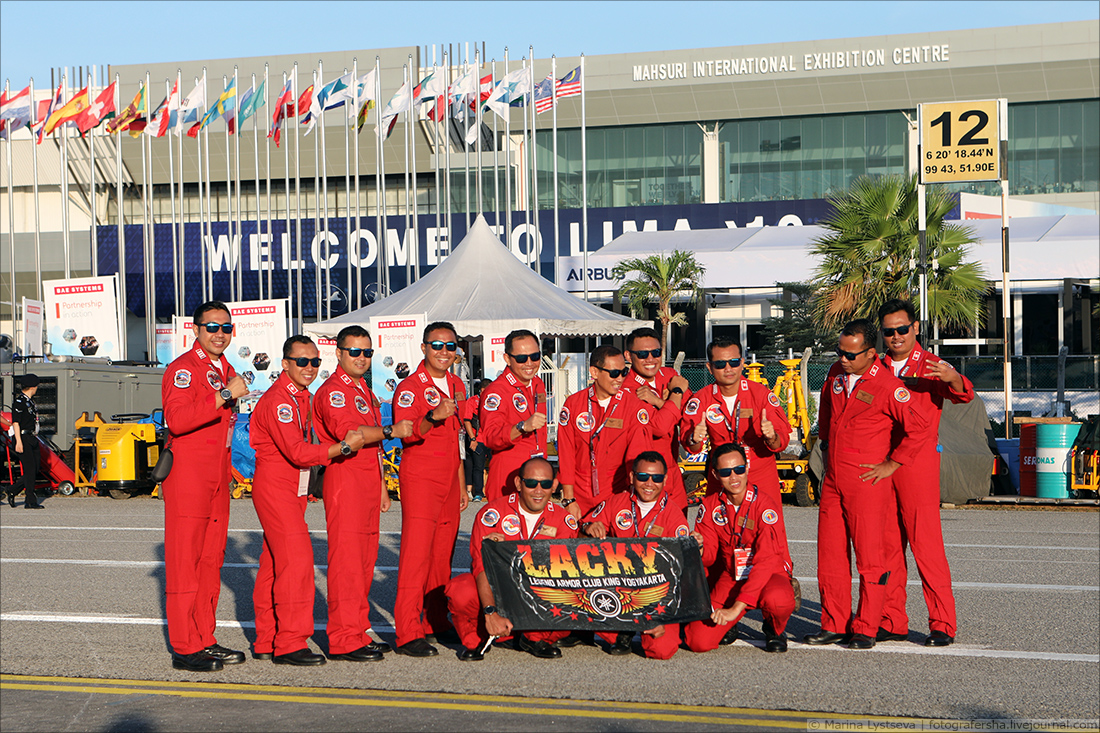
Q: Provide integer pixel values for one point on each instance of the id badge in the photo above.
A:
(742, 563)
(303, 482)
(232, 428)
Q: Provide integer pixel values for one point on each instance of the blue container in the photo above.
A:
(1009, 448)
(1052, 465)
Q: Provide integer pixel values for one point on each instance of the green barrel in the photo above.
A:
(1052, 465)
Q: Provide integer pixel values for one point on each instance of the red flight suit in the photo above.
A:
(746, 544)
(622, 516)
(503, 404)
(196, 496)
(753, 401)
(353, 496)
(856, 430)
(501, 516)
(663, 426)
(917, 491)
(430, 493)
(280, 432)
(600, 443)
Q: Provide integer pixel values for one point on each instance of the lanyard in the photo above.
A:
(297, 411)
(523, 525)
(363, 393)
(738, 528)
(596, 433)
(653, 514)
(736, 427)
(520, 389)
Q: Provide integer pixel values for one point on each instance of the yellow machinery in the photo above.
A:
(390, 461)
(84, 453)
(126, 452)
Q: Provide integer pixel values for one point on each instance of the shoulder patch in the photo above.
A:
(490, 517)
(431, 396)
(624, 520)
(585, 422)
(714, 414)
(773, 400)
(336, 398)
(718, 515)
(182, 379)
(510, 525)
(838, 384)
(361, 404)
(491, 403)
(519, 402)
(405, 399)
(692, 406)
(214, 381)
(643, 416)
(563, 416)
(769, 516)
(285, 413)
(682, 531)
(570, 522)
(901, 394)
(598, 509)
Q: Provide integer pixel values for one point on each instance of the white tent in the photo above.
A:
(482, 288)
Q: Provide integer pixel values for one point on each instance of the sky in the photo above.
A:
(86, 33)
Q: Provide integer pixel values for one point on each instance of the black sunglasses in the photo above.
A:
(546, 483)
(615, 373)
(888, 332)
(725, 472)
(849, 355)
(646, 353)
(522, 358)
(303, 361)
(439, 345)
(721, 363)
(355, 352)
(213, 327)
(657, 478)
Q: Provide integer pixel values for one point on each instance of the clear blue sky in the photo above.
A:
(40, 35)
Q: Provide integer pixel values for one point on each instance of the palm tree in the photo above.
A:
(869, 255)
(660, 278)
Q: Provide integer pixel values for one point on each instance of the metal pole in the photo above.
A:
(11, 213)
(91, 167)
(298, 197)
(408, 111)
(347, 188)
(1002, 105)
(358, 202)
(584, 183)
(557, 223)
(64, 186)
(505, 231)
(414, 246)
(121, 232)
(379, 184)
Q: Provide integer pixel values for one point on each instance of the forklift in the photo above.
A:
(124, 452)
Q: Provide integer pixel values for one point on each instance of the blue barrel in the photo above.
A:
(1052, 465)
(1009, 448)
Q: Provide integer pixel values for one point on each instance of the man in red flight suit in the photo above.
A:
(665, 392)
(355, 494)
(526, 513)
(198, 391)
(513, 414)
(738, 528)
(600, 429)
(648, 510)
(930, 381)
(280, 431)
(433, 491)
(861, 403)
(738, 410)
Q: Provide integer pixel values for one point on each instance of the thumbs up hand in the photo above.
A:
(767, 428)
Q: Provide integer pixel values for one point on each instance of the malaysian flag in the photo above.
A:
(570, 84)
(544, 95)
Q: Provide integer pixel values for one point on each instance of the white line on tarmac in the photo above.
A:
(958, 650)
(393, 568)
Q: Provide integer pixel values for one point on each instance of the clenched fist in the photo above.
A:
(402, 428)
(237, 386)
(444, 409)
(354, 439)
(535, 422)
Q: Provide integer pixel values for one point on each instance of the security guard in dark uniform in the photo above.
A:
(25, 424)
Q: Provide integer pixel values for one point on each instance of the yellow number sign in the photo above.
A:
(960, 142)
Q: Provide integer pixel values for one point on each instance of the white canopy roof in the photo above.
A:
(482, 288)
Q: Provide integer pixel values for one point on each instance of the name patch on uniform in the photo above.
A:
(361, 404)
(718, 515)
(865, 396)
(614, 422)
(773, 400)
(901, 394)
(746, 411)
(540, 398)
(570, 522)
(624, 520)
(491, 403)
(182, 379)
(336, 399)
(643, 416)
(490, 517)
(285, 413)
(519, 402)
(692, 406)
(510, 525)
(769, 516)
(431, 396)
(714, 414)
(405, 399)
(585, 422)
(549, 531)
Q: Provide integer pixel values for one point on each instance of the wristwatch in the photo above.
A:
(226, 394)
(519, 427)
(489, 610)
(567, 502)
(676, 390)
(430, 417)
(387, 431)
(345, 449)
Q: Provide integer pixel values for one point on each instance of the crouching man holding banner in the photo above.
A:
(526, 515)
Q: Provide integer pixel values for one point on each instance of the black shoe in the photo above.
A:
(776, 643)
(621, 646)
(939, 638)
(470, 655)
(197, 662)
(379, 646)
(11, 500)
(417, 648)
(824, 637)
(568, 642)
(731, 636)
(33, 506)
(540, 649)
(228, 656)
(797, 588)
(861, 641)
(884, 635)
(450, 636)
(263, 655)
(300, 658)
(362, 654)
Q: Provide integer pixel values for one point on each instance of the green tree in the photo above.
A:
(870, 255)
(796, 328)
(661, 278)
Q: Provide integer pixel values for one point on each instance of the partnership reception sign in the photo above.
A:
(82, 317)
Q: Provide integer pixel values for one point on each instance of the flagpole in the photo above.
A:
(554, 107)
(477, 123)
(525, 157)
(119, 222)
(208, 270)
(414, 247)
(347, 192)
(64, 183)
(358, 203)
(407, 72)
(181, 262)
(229, 220)
(238, 260)
(11, 209)
(435, 139)
(148, 270)
(316, 205)
(496, 147)
(202, 209)
(324, 189)
(584, 184)
(91, 167)
(172, 199)
(286, 186)
(269, 265)
(298, 193)
(448, 61)
(535, 238)
(379, 187)
(466, 145)
(507, 224)
(256, 184)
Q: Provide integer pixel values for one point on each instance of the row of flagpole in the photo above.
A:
(174, 114)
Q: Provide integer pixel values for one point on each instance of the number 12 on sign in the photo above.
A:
(960, 141)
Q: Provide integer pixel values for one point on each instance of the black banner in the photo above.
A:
(600, 585)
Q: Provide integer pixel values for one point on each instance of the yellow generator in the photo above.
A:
(126, 452)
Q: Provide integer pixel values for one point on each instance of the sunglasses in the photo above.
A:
(646, 353)
(725, 472)
(522, 358)
(440, 345)
(226, 328)
(657, 478)
(902, 330)
(721, 363)
(303, 361)
(355, 352)
(546, 483)
(615, 373)
(848, 354)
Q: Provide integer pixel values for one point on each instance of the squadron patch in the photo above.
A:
(769, 516)
(692, 406)
(643, 416)
(182, 379)
(214, 380)
(519, 402)
(336, 399)
(597, 510)
(361, 404)
(491, 403)
(431, 396)
(510, 525)
(585, 422)
(838, 384)
(563, 416)
(490, 517)
(624, 520)
(405, 399)
(285, 413)
(773, 400)
(714, 414)
(682, 531)
(570, 522)
(901, 394)
(719, 516)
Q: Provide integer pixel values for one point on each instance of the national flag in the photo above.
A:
(398, 103)
(15, 111)
(44, 115)
(570, 84)
(224, 107)
(74, 107)
(513, 87)
(251, 102)
(366, 99)
(102, 108)
(188, 113)
(284, 104)
(430, 87)
(161, 119)
(361, 118)
(305, 99)
(337, 93)
(486, 88)
(310, 120)
(134, 111)
(544, 94)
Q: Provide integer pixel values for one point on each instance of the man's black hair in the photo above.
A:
(601, 354)
(210, 305)
(860, 327)
(645, 332)
(648, 456)
(894, 305)
(519, 333)
(296, 339)
(722, 342)
(724, 449)
(439, 325)
(350, 332)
